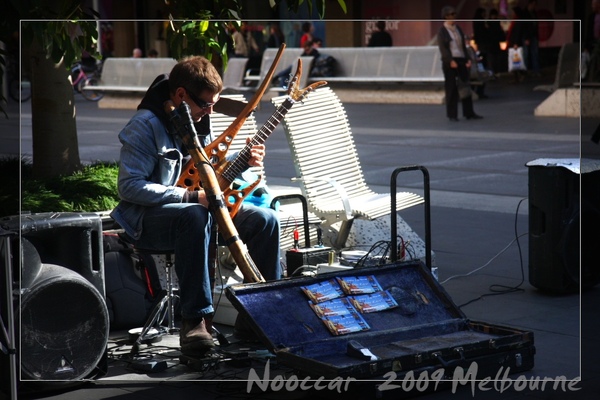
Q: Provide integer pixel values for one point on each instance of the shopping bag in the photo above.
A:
(464, 88)
(516, 62)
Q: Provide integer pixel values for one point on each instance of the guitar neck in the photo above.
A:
(240, 163)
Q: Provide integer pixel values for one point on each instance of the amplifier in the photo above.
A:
(306, 256)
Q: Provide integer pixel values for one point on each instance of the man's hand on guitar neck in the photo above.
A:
(257, 154)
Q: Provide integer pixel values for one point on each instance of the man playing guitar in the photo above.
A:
(158, 214)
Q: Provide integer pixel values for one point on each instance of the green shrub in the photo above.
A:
(94, 188)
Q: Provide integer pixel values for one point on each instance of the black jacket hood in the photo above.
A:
(154, 101)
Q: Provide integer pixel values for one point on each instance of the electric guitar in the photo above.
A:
(227, 171)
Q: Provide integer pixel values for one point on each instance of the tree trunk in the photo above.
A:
(55, 146)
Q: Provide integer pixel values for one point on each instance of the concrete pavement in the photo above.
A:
(479, 224)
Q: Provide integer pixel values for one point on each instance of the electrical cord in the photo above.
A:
(497, 289)
(377, 255)
(289, 219)
(484, 265)
(307, 270)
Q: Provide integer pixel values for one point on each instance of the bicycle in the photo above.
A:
(83, 75)
(19, 88)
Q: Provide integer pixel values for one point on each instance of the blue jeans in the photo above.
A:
(258, 228)
(186, 228)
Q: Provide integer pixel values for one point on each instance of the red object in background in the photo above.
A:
(545, 24)
(296, 239)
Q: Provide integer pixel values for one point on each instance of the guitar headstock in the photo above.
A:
(297, 94)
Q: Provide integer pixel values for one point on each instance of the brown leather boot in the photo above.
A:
(194, 337)
(208, 323)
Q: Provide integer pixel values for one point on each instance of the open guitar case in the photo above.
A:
(424, 335)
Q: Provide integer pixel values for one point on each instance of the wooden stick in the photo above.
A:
(182, 120)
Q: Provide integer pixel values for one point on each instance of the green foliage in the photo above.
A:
(194, 37)
(207, 25)
(294, 5)
(64, 28)
(94, 188)
(204, 31)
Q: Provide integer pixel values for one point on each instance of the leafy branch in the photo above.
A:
(64, 29)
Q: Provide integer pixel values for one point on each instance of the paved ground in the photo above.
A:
(479, 185)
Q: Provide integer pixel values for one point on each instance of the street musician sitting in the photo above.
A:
(158, 214)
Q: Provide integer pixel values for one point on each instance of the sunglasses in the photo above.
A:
(199, 102)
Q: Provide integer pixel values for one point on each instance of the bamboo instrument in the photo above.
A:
(218, 148)
(184, 126)
(227, 170)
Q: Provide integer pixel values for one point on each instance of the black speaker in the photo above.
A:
(60, 305)
(306, 256)
(563, 203)
(63, 326)
(72, 240)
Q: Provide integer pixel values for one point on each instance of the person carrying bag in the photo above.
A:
(516, 62)
(456, 66)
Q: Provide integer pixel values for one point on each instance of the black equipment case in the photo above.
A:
(425, 332)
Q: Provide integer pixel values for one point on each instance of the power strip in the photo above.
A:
(325, 268)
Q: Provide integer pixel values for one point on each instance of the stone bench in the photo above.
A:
(419, 64)
(131, 74)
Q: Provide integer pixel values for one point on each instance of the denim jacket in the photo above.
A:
(150, 165)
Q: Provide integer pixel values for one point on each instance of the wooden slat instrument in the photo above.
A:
(184, 126)
(227, 171)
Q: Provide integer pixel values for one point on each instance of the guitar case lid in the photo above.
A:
(425, 329)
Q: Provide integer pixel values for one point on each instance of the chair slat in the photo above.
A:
(323, 150)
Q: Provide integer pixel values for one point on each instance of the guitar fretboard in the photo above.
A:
(240, 163)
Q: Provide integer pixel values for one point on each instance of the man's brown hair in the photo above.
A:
(197, 74)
